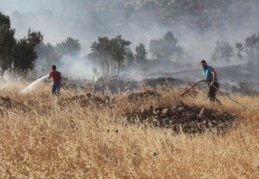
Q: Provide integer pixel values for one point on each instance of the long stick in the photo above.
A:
(65, 90)
(190, 88)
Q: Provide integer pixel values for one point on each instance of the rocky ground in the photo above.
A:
(142, 96)
(184, 118)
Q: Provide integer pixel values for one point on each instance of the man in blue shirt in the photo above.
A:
(210, 76)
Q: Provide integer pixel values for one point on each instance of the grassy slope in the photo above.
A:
(40, 139)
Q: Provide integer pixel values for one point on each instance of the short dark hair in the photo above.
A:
(203, 61)
(54, 67)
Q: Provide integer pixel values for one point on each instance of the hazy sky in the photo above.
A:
(56, 19)
(37, 5)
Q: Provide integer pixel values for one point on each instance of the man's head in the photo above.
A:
(203, 64)
(54, 67)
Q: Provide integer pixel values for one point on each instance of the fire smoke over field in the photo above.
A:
(196, 26)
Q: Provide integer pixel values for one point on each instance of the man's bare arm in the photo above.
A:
(214, 74)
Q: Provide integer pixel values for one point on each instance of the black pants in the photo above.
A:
(213, 91)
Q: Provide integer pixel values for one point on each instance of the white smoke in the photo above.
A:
(77, 67)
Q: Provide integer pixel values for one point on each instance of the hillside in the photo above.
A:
(202, 15)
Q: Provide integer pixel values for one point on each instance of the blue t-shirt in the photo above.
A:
(206, 73)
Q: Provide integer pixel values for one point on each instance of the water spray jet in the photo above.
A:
(33, 85)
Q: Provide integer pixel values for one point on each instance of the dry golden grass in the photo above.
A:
(41, 139)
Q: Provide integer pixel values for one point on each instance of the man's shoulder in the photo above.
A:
(210, 68)
(59, 73)
(56, 72)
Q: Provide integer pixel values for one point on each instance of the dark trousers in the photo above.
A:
(213, 91)
(56, 87)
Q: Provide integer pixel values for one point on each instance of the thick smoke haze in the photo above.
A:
(87, 20)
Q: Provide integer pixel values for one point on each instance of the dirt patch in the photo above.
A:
(185, 118)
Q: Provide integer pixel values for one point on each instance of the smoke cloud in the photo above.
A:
(86, 20)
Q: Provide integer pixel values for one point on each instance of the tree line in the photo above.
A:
(110, 54)
(114, 54)
(17, 53)
(249, 49)
(21, 54)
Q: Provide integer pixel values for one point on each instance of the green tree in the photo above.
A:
(24, 55)
(166, 47)
(129, 57)
(240, 49)
(34, 38)
(7, 42)
(25, 52)
(141, 53)
(68, 47)
(20, 53)
(252, 46)
(47, 54)
(100, 54)
(118, 53)
(109, 53)
(223, 50)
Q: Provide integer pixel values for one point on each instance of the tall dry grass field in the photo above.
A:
(41, 138)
